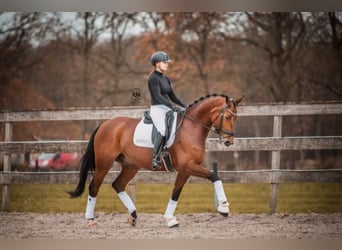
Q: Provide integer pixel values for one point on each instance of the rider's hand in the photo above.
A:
(175, 108)
(178, 109)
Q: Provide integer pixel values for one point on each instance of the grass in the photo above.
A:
(310, 197)
(195, 198)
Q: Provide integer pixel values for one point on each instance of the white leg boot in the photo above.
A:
(89, 215)
(171, 220)
(128, 203)
(223, 205)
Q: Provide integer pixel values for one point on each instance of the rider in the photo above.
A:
(162, 94)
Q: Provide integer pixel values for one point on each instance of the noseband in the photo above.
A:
(220, 130)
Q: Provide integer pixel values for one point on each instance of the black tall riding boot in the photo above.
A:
(158, 146)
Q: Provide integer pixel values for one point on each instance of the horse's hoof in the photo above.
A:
(223, 208)
(224, 214)
(132, 221)
(91, 223)
(172, 222)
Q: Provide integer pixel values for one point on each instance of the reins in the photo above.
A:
(219, 131)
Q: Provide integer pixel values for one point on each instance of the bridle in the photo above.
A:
(220, 131)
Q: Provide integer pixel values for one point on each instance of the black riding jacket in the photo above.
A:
(161, 90)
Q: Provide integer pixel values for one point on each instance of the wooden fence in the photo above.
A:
(275, 144)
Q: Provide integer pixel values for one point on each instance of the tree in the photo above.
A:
(277, 37)
(20, 36)
(87, 36)
(198, 42)
(112, 55)
(193, 43)
(323, 62)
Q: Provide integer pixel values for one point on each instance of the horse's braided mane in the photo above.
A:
(206, 97)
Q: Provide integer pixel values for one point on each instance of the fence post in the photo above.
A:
(277, 127)
(7, 168)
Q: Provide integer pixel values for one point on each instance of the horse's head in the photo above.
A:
(223, 119)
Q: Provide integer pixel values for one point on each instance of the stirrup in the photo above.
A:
(156, 163)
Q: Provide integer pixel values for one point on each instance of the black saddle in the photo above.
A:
(147, 117)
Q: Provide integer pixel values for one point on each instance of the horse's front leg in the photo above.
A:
(222, 202)
(172, 205)
(199, 171)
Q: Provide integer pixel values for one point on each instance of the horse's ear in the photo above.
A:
(239, 100)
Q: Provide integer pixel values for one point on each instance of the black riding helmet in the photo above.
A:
(159, 56)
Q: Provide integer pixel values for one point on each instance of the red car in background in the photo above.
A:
(55, 161)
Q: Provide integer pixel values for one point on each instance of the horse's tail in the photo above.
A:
(87, 164)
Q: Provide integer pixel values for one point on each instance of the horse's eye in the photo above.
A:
(228, 118)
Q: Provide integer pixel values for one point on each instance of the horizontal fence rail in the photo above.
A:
(251, 176)
(106, 113)
(240, 144)
(275, 144)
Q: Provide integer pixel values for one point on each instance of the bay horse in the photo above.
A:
(113, 141)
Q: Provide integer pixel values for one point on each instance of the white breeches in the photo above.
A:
(158, 113)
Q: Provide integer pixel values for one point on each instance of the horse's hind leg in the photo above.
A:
(172, 205)
(119, 185)
(103, 164)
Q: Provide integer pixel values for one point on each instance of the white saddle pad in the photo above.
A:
(143, 135)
